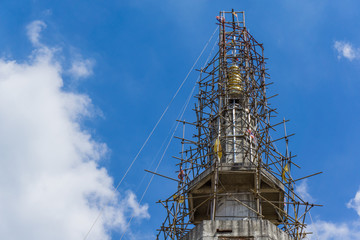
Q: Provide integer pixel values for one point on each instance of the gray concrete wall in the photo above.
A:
(237, 145)
(254, 229)
(230, 209)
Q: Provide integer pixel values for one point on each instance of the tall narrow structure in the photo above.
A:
(234, 182)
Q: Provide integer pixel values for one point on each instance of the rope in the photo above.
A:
(151, 133)
(167, 146)
(312, 222)
(157, 154)
(162, 157)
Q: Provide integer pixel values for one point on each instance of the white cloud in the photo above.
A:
(328, 230)
(323, 230)
(33, 31)
(81, 68)
(303, 191)
(346, 50)
(355, 203)
(138, 211)
(52, 186)
(346, 230)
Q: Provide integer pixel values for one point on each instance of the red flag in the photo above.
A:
(181, 175)
(220, 19)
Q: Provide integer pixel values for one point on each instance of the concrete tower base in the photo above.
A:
(256, 229)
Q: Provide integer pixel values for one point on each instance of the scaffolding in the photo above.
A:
(232, 168)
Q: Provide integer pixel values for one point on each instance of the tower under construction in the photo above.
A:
(234, 181)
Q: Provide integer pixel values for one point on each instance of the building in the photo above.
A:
(234, 182)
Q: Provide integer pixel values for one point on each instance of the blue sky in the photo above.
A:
(104, 71)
